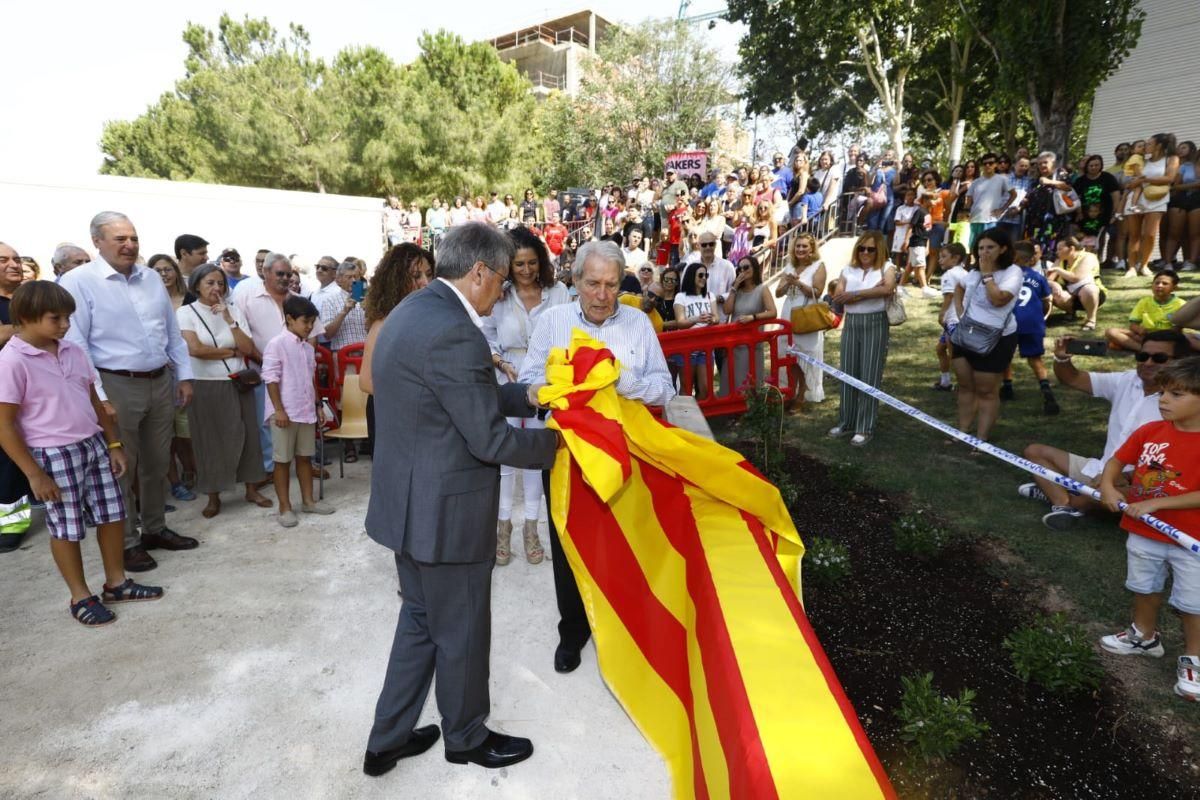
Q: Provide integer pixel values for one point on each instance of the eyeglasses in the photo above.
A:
(282, 274)
(701, 275)
(866, 249)
(989, 163)
(645, 269)
(745, 268)
(1157, 358)
(229, 258)
(708, 244)
(670, 279)
(325, 269)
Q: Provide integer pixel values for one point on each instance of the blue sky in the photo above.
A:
(69, 66)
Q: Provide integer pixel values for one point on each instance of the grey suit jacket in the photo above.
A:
(441, 433)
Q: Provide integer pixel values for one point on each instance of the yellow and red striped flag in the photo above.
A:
(687, 561)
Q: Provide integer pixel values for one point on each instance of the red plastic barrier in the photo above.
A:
(717, 343)
(329, 385)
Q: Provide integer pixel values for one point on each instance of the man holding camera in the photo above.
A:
(1134, 400)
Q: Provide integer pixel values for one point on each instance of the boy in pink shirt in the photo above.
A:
(288, 367)
(54, 429)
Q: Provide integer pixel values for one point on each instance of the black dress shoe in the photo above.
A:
(375, 764)
(10, 541)
(566, 658)
(497, 750)
(168, 539)
(138, 560)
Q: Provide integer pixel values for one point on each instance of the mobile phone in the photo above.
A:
(358, 290)
(1087, 347)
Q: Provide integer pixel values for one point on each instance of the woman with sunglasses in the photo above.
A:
(863, 290)
(936, 202)
(987, 296)
(749, 302)
(695, 307)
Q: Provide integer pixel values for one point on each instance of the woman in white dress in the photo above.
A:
(801, 283)
(532, 290)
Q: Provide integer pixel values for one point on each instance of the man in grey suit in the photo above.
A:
(440, 439)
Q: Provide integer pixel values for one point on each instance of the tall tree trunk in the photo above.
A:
(1053, 121)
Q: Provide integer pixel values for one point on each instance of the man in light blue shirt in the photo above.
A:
(628, 334)
(125, 322)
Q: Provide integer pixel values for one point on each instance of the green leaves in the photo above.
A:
(654, 89)
(255, 108)
(936, 725)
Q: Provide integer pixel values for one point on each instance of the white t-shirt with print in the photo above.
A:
(980, 308)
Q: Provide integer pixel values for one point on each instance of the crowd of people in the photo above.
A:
(183, 376)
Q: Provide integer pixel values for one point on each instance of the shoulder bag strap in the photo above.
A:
(210, 333)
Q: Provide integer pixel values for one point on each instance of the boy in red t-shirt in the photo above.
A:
(675, 227)
(1165, 482)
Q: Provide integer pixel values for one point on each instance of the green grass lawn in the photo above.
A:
(978, 494)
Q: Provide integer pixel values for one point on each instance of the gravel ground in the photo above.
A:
(256, 675)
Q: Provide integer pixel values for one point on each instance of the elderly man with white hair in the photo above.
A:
(126, 323)
(67, 257)
(627, 332)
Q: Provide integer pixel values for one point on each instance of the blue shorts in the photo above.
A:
(946, 331)
(1031, 345)
(937, 235)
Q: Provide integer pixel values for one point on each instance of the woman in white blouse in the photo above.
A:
(532, 290)
(221, 418)
(987, 296)
(863, 290)
(802, 282)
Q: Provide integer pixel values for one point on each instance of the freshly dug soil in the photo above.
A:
(898, 614)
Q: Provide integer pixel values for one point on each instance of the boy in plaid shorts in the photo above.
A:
(53, 428)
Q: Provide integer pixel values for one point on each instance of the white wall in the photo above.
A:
(37, 215)
(1155, 89)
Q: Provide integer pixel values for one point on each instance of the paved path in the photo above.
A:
(257, 675)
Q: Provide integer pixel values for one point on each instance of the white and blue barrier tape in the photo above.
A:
(1179, 537)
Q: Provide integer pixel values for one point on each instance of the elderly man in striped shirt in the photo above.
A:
(626, 332)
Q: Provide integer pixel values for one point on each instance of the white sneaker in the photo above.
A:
(1131, 273)
(1129, 642)
(1032, 491)
(931, 293)
(859, 439)
(1061, 518)
(1145, 272)
(837, 431)
(1187, 684)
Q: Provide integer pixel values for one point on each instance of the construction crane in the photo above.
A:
(711, 17)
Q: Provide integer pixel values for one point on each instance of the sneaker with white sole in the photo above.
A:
(1129, 642)
(1187, 684)
(859, 439)
(1032, 491)
(1061, 518)
(837, 431)
(931, 293)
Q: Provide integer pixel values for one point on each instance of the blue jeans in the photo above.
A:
(264, 428)
(878, 220)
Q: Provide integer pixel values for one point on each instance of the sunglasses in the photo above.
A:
(229, 258)
(989, 163)
(1157, 358)
(708, 244)
(670, 280)
(745, 268)
(701, 274)
(645, 269)
(866, 249)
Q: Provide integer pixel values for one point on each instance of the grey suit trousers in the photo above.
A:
(445, 629)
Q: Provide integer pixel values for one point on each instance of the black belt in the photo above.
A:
(125, 373)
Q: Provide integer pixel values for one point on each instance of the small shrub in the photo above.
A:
(919, 535)
(763, 423)
(825, 561)
(935, 725)
(1055, 653)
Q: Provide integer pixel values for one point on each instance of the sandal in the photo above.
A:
(533, 545)
(130, 592)
(503, 536)
(91, 612)
(1088, 326)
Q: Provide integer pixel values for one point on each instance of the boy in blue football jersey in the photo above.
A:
(1033, 306)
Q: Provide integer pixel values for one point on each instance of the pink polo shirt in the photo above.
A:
(54, 392)
(292, 364)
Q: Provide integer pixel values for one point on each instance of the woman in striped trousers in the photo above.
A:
(863, 290)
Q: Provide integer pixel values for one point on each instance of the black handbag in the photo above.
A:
(244, 379)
